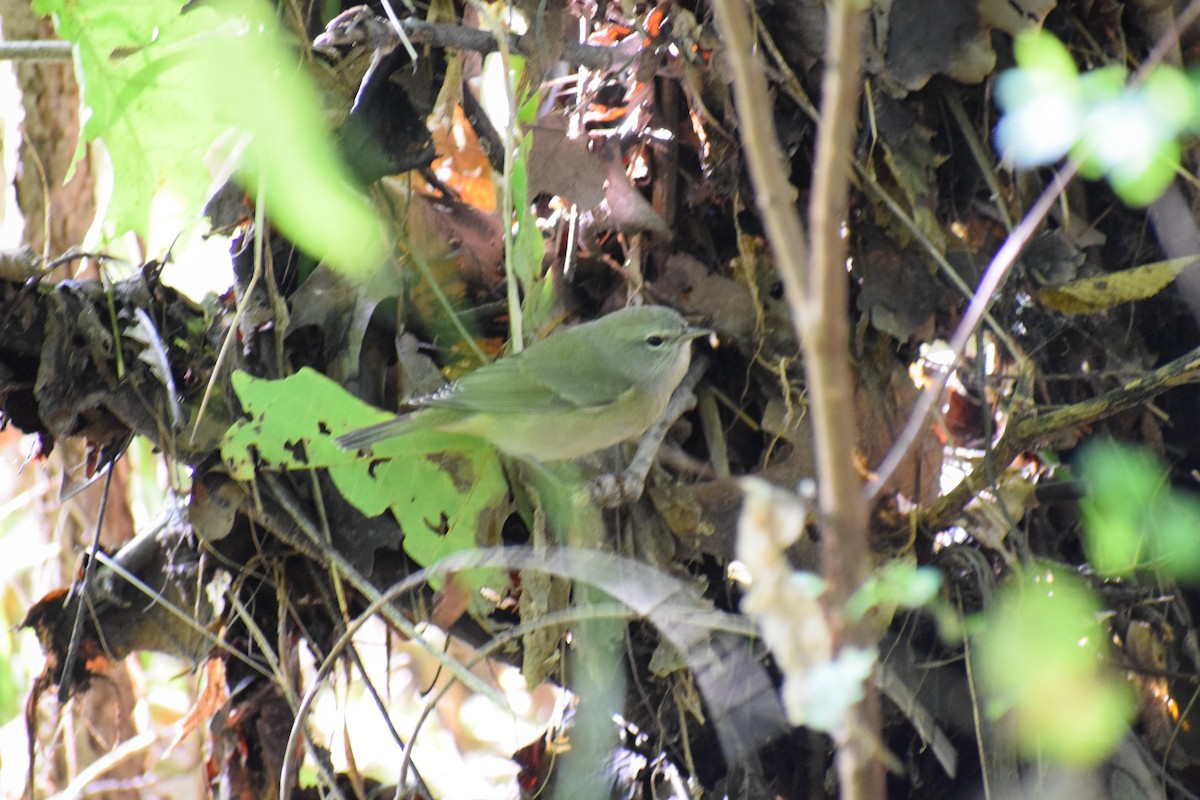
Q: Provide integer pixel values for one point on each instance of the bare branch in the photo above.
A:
(49, 50)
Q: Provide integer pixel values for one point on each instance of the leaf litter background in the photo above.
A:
(634, 184)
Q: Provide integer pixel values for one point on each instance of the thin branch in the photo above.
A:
(39, 50)
(845, 546)
(66, 682)
(460, 38)
(381, 34)
(1024, 433)
(456, 37)
(774, 196)
(827, 334)
(985, 294)
(818, 295)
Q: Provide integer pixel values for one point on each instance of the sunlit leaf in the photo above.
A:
(1044, 55)
(1127, 134)
(1043, 111)
(823, 696)
(898, 583)
(1043, 656)
(442, 488)
(1124, 140)
(1172, 97)
(1177, 551)
(1123, 484)
(1140, 184)
(1133, 519)
(249, 78)
(1090, 295)
(166, 90)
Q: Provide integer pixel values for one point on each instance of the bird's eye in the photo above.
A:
(655, 341)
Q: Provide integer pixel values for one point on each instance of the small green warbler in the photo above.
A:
(570, 394)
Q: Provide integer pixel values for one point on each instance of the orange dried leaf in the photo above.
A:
(212, 697)
(463, 165)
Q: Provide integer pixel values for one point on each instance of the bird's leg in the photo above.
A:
(611, 491)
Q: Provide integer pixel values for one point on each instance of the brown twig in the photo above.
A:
(380, 33)
(1024, 433)
(461, 38)
(845, 546)
(49, 50)
(817, 293)
(456, 37)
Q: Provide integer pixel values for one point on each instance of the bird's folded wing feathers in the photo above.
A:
(557, 379)
(502, 387)
(584, 382)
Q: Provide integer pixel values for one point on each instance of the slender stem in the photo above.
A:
(509, 136)
(818, 295)
(48, 50)
(985, 294)
(775, 197)
(827, 335)
(845, 547)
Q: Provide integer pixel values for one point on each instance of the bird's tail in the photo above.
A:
(365, 437)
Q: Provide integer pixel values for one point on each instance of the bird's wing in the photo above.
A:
(551, 381)
(500, 387)
(582, 377)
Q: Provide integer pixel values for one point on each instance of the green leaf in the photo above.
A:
(1140, 183)
(823, 695)
(132, 102)
(1177, 553)
(1171, 96)
(445, 490)
(528, 244)
(897, 583)
(1127, 135)
(1103, 85)
(105, 26)
(529, 248)
(1042, 654)
(249, 77)
(1123, 486)
(1133, 519)
(1127, 142)
(530, 108)
(1041, 99)
(210, 83)
(12, 685)
(1041, 52)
